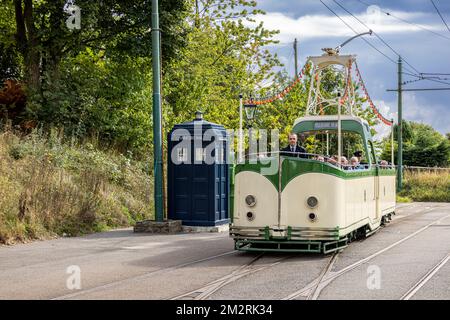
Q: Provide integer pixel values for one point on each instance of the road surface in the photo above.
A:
(407, 259)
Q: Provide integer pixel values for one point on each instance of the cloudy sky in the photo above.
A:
(427, 51)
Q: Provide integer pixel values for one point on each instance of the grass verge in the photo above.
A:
(50, 187)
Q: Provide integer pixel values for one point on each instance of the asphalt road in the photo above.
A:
(408, 259)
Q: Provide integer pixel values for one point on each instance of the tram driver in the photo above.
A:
(293, 149)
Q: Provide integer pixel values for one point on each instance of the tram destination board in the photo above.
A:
(325, 124)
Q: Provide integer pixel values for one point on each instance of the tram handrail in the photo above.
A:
(327, 159)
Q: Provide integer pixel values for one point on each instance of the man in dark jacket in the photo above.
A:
(293, 150)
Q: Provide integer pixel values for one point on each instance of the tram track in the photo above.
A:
(427, 277)
(142, 276)
(413, 214)
(209, 289)
(326, 277)
(314, 293)
(311, 291)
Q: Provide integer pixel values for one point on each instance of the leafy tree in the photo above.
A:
(422, 146)
(88, 81)
(96, 81)
(283, 113)
(223, 58)
(114, 27)
(104, 98)
(10, 62)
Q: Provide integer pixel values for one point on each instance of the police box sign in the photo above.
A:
(325, 125)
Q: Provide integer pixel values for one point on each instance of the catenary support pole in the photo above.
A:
(295, 57)
(157, 137)
(241, 138)
(392, 142)
(339, 132)
(400, 129)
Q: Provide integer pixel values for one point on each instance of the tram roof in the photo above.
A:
(326, 59)
(329, 122)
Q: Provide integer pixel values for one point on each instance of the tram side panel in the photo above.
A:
(343, 203)
(264, 212)
(360, 203)
(346, 204)
(330, 194)
(387, 192)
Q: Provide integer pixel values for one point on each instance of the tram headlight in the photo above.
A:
(250, 216)
(312, 202)
(250, 200)
(312, 216)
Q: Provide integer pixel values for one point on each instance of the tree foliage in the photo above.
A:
(97, 81)
(422, 146)
(10, 63)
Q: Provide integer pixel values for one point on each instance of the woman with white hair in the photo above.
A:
(354, 163)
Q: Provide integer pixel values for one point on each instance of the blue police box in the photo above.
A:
(198, 173)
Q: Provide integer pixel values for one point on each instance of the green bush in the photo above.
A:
(52, 187)
(403, 199)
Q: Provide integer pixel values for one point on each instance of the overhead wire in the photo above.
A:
(298, 77)
(370, 44)
(377, 35)
(433, 73)
(426, 78)
(440, 15)
(438, 81)
(412, 81)
(390, 47)
(408, 22)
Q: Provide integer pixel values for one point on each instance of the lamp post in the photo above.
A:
(157, 136)
(250, 112)
(241, 136)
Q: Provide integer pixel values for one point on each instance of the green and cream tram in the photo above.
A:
(307, 204)
(311, 204)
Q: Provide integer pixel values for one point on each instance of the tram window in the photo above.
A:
(324, 143)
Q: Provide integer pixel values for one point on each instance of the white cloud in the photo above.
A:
(420, 110)
(414, 109)
(316, 30)
(313, 26)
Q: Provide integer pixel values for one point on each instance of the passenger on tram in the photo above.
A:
(358, 155)
(344, 163)
(332, 160)
(384, 164)
(293, 150)
(355, 165)
(319, 158)
(363, 164)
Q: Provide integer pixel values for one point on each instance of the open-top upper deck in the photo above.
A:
(330, 123)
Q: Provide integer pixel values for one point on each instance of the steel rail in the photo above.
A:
(330, 277)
